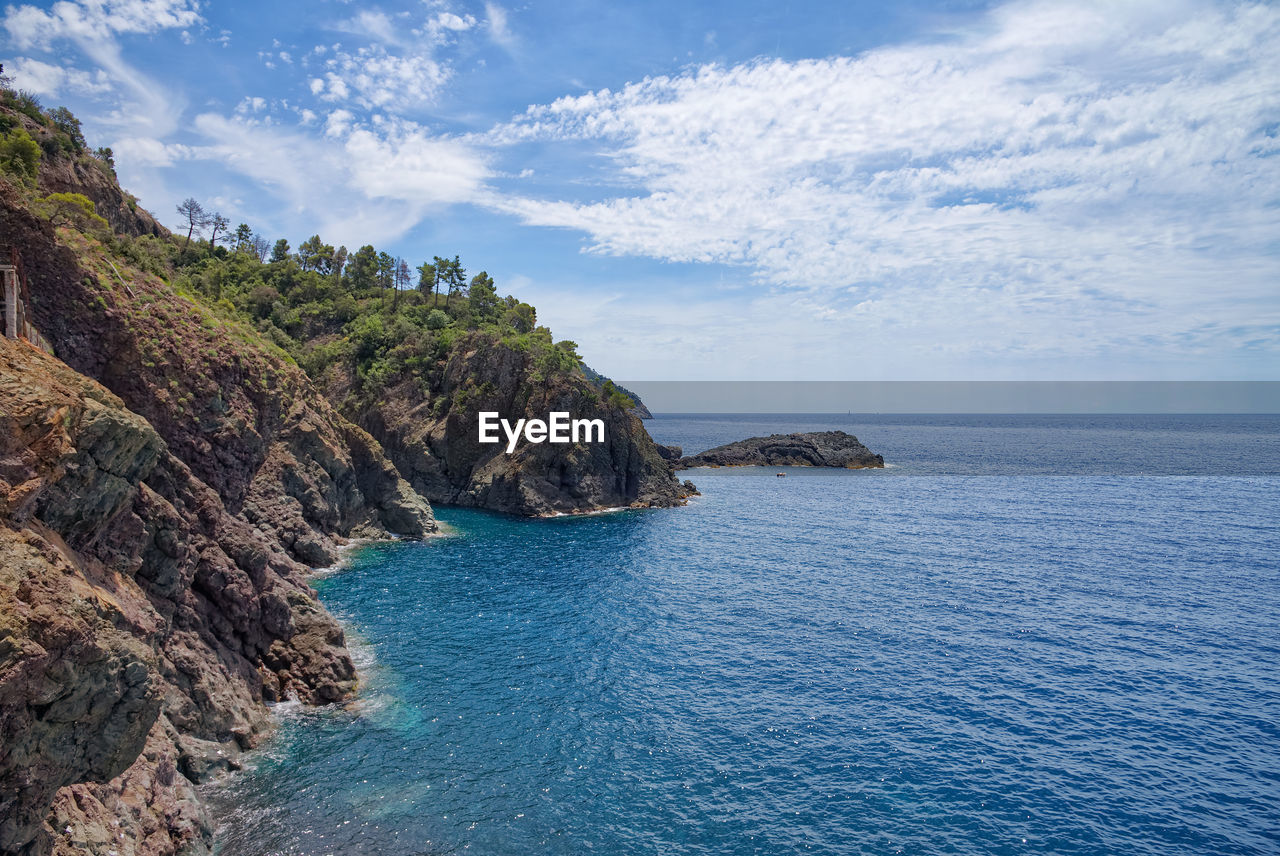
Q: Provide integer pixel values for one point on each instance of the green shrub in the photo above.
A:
(438, 320)
(20, 155)
(77, 210)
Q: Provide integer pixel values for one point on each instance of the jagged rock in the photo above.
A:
(128, 592)
(669, 453)
(433, 438)
(154, 536)
(816, 449)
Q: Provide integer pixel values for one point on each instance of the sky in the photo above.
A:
(751, 190)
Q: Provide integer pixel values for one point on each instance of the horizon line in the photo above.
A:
(1044, 398)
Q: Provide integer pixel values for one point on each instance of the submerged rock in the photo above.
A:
(815, 449)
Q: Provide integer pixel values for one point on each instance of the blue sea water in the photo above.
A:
(1031, 635)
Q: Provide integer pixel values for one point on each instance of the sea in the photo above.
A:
(1027, 634)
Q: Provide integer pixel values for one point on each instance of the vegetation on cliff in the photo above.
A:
(222, 413)
(383, 340)
(164, 484)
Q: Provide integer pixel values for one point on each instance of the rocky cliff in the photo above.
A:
(432, 436)
(167, 481)
(815, 449)
(162, 492)
(93, 178)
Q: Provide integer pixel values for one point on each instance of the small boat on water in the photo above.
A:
(782, 475)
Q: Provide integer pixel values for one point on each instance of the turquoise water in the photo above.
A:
(907, 661)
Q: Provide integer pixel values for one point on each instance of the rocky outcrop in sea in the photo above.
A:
(815, 449)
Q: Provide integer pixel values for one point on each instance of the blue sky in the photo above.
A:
(836, 191)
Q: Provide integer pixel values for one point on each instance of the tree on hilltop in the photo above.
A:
(260, 246)
(401, 280)
(439, 270)
(362, 268)
(426, 277)
(456, 276)
(217, 223)
(66, 122)
(315, 254)
(280, 252)
(483, 297)
(242, 240)
(195, 216)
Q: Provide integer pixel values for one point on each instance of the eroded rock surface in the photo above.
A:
(156, 529)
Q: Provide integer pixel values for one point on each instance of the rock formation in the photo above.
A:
(165, 484)
(816, 449)
(432, 436)
(162, 493)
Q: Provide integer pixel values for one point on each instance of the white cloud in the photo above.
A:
(95, 19)
(407, 164)
(45, 79)
(357, 183)
(1062, 179)
(143, 152)
(398, 70)
(447, 21)
(338, 123)
(499, 28)
(93, 25)
(374, 25)
(374, 78)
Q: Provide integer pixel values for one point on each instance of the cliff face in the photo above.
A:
(137, 612)
(91, 178)
(433, 438)
(96, 181)
(245, 420)
(78, 682)
(155, 532)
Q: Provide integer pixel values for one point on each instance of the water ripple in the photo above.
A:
(949, 664)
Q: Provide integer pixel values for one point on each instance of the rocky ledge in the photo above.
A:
(815, 449)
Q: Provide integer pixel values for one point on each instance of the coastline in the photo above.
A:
(542, 669)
